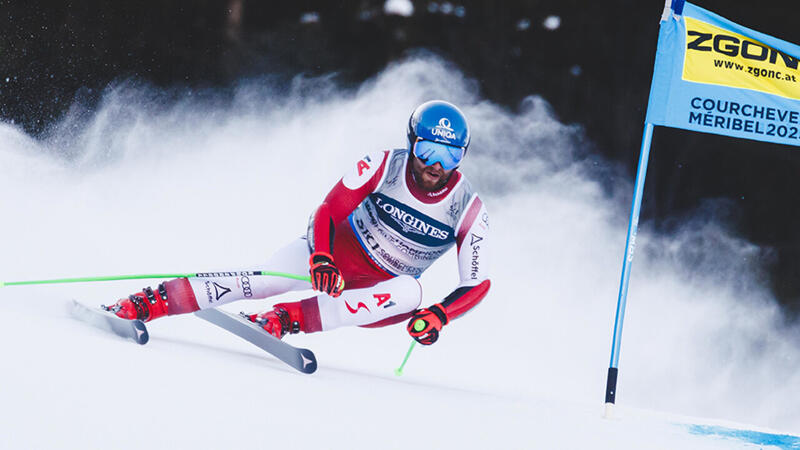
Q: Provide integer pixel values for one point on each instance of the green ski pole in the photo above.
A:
(419, 325)
(152, 276)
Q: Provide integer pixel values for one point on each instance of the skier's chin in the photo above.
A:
(432, 180)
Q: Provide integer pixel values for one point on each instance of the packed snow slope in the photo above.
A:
(160, 182)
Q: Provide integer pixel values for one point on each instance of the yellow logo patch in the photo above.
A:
(715, 55)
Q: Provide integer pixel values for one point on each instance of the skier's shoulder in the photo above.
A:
(468, 204)
(369, 168)
(374, 159)
(463, 181)
(464, 187)
(397, 154)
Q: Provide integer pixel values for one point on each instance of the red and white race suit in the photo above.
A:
(383, 232)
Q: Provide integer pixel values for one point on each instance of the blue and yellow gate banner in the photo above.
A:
(715, 76)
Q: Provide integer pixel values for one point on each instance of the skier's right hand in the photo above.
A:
(325, 276)
(426, 324)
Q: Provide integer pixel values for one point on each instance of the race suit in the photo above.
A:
(383, 233)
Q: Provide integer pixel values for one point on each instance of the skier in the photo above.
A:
(383, 224)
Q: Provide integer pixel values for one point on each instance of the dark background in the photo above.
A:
(594, 69)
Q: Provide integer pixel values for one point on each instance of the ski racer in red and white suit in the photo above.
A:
(383, 224)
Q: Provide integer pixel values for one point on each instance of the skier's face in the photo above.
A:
(429, 178)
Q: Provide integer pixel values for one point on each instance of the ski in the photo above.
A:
(100, 318)
(301, 359)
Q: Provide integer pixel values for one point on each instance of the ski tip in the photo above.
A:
(141, 334)
(309, 361)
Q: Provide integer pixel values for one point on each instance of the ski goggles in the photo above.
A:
(430, 153)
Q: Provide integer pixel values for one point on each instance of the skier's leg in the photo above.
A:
(182, 295)
(377, 305)
(221, 288)
(358, 307)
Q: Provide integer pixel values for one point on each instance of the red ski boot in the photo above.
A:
(171, 297)
(282, 319)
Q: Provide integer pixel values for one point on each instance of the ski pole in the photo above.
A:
(419, 325)
(153, 276)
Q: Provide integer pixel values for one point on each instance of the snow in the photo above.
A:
(150, 185)
(399, 7)
(552, 22)
(309, 17)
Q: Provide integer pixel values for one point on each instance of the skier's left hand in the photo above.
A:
(431, 320)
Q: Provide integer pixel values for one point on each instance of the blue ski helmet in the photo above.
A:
(438, 122)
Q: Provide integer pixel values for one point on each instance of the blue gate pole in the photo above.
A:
(630, 246)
